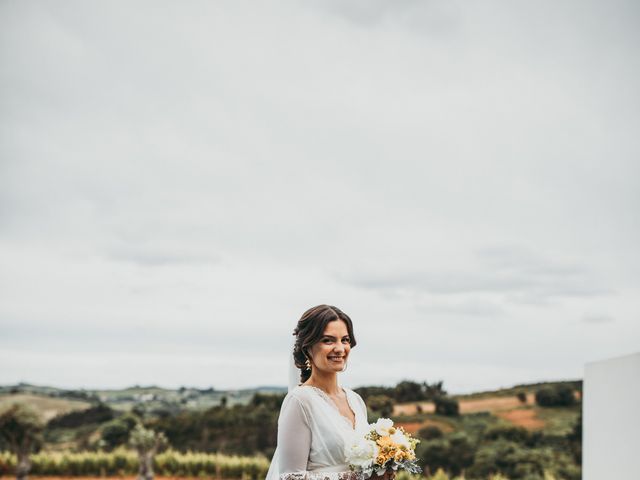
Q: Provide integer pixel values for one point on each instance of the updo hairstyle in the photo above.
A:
(309, 331)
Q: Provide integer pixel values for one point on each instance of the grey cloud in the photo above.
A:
(597, 319)
(238, 155)
(464, 308)
(517, 273)
(408, 13)
(153, 257)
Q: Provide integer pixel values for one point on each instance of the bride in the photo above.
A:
(318, 416)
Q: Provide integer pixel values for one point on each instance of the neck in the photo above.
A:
(327, 381)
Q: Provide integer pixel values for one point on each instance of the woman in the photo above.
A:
(318, 416)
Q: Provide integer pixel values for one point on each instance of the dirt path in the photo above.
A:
(523, 418)
(490, 404)
(413, 427)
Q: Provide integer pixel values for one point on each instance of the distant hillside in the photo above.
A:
(47, 406)
(525, 387)
(51, 400)
(486, 432)
(514, 406)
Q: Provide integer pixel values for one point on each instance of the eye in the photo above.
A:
(348, 340)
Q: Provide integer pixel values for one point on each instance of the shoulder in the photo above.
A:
(300, 396)
(354, 394)
(297, 403)
(351, 392)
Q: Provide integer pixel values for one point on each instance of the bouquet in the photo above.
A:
(383, 448)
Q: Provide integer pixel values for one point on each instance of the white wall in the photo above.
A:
(611, 421)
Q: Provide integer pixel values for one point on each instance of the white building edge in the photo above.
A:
(611, 419)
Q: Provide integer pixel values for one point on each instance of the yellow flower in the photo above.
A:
(385, 442)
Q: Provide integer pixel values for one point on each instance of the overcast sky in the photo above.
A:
(180, 181)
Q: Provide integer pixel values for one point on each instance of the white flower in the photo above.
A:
(400, 438)
(361, 452)
(382, 426)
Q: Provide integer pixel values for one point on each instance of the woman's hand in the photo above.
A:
(388, 475)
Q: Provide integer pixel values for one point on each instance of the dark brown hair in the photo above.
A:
(310, 329)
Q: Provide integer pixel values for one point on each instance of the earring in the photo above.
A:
(308, 364)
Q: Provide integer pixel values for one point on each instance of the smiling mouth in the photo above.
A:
(336, 359)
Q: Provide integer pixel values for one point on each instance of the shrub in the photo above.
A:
(116, 432)
(453, 454)
(509, 432)
(381, 404)
(555, 396)
(575, 441)
(97, 414)
(447, 406)
(430, 432)
(21, 428)
(510, 459)
(122, 462)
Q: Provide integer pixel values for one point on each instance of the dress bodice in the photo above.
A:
(312, 435)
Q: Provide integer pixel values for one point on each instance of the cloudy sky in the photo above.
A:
(179, 181)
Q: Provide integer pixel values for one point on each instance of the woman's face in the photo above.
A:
(331, 351)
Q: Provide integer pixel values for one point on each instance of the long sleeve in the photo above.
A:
(311, 438)
(294, 438)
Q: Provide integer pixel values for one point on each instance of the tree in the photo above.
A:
(116, 432)
(147, 443)
(431, 392)
(555, 396)
(447, 406)
(408, 391)
(21, 428)
(381, 404)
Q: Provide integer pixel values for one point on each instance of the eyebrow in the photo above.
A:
(331, 336)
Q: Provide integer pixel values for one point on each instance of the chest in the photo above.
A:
(341, 406)
(345, 409)
(338, 406)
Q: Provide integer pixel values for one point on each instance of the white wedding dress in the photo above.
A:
(312, 434)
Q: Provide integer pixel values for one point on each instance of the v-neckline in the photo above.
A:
(326, 396)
